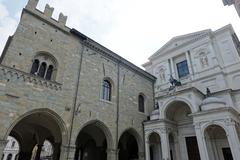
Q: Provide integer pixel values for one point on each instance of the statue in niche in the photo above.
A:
(162, 75)
(204, 60)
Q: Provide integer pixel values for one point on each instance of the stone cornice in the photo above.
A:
(197, 38)
(218, 110)
(179, 90)
(9, 74)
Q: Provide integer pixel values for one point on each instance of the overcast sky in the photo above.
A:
(134, 29)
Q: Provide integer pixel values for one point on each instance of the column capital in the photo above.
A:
(165, 130)
(197, 125)
(230, 122)
(70, 148)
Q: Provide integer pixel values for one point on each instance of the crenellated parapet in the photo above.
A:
(47, 14)
(8, 75)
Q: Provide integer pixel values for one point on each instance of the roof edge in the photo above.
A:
(89, 42)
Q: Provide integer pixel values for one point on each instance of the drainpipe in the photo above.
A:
(75, 100)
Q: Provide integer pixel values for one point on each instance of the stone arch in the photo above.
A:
(220, 124)
(130, 145)
(217, 141)
(147, 135)
(47, 54)
(174, 100)
(93, 141)
(40, 124)
(135, 134)
(48, 112)
(101, 126)
(47, 65)
(155, 146)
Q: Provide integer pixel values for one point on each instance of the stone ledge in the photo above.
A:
(11, 74)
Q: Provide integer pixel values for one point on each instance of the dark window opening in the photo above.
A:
(9, 157)
(106, 92)
(141, 103)
(35, 66)
(13, 144)
(49, 72)
(182, 68)
(42, 69)
(227, 154)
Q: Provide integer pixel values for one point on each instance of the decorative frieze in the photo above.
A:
(8, 74)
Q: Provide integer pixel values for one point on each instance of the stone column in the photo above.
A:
(165, 144)
(112, 154)
(147, 150)
(141, 155)
(233, 139)
(56, 151)
(39, 149)
(67, 152)
(201, 142)
(2, 146)
(189, 63)
(172, 68)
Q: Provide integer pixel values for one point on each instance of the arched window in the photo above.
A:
(141, 103)
(45, 66)
(35, 66)
(106, 91)
(9, 157)
(42, 70)
(13, 144)
(49, 72)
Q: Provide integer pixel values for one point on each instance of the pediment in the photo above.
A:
(179, 41)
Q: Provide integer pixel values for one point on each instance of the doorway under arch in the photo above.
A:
(93, 141)
(184, 144)
(217, 143)
(128, 146)
(155, 146)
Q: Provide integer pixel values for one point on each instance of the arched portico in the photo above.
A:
(182, 143)
(130, 145)
(167, 104)
(33, 128)
(155, 148)
(94, 142)
(217, 143)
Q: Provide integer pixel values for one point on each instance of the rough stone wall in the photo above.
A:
(20, 95)
(21, 92)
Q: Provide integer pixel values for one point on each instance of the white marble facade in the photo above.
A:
(190, 124)
(11, 150)
(236, 4)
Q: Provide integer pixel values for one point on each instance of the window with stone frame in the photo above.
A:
(182, 68)
(106, 90)
(45, 66)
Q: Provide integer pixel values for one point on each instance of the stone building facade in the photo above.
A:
(11, 149)
(197, 114)
(59, 85)
(236, 4)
